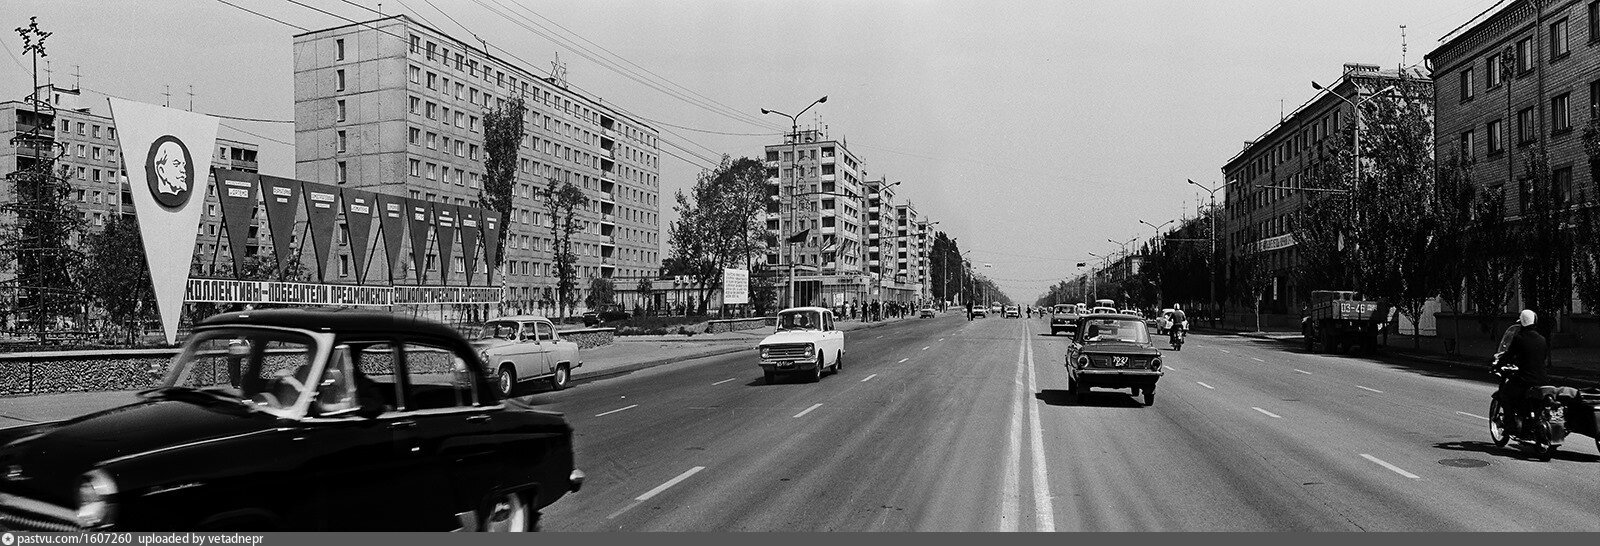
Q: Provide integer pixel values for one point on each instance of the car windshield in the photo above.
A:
(497, 330)
(265, 369)
(1065, 309)
(1125, 330)
(800, 320)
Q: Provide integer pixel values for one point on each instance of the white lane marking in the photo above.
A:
(1302, 371)
(1471, 415)
(1267, 413)
(864, 379)
(1225, 351)
(926, 348)
(1010, 501)
(879, 337)
(1369, 389)
(808, 410)
(1257, 359)
(1396, 469)
(723, 381)
(1206, 386)
(1168, 368)
(1044, 508)
(670, 483)
(941, 339)
(902, 361)
(615, 410)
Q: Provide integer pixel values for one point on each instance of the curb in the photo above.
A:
(1565, 380)
(634, 367)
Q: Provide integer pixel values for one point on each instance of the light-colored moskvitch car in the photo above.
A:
(522, 348)
(806, 343)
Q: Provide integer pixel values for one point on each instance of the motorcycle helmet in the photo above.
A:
(1527, 318)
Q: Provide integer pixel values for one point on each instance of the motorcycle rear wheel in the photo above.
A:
(1542, 446)
(1497, 427)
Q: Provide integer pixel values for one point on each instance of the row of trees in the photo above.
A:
(720, 225)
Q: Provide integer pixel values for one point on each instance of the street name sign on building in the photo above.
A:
(735, 286)
(168, 154)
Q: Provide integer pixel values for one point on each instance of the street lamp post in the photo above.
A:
(1094, 281)
(1157, 269)
(1125, 266)
(794, 169)
(1212, 281)
(1356, 107)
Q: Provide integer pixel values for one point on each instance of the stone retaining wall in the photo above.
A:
(589, 338)
(40, 373)
(734, 325)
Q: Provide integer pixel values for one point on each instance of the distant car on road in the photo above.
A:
(927, 312)
(1064, 317)
(1113, 351)
(980, 312)
(298, 420)
(1163, 321)
(606, 313)
(525, 348)
(1013, 312)
(806, 343)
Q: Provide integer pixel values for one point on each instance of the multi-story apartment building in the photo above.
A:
(1515, 79)
(817, 187)
(396, 107)
(1260, 193)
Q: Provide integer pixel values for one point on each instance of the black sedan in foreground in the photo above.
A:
(1113, 351)
(290, 420)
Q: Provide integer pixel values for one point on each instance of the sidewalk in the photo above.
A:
(1469, 356)
(624, 355)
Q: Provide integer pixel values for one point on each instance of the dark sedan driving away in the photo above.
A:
(1113, 351)
(288, 420)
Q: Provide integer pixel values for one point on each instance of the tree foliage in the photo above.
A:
(602, 292)
(719, 223)
(1398, 209)
(116, 276)
(1546, 243)
(42, 241)
(503, 131)
(562, 201)
(1491, 262)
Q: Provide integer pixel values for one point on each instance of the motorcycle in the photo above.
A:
(1542, 423)
(1176, 334)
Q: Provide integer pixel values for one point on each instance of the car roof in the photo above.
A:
(347, 321)
(1092, 316)
(820, 309)
(519, 318)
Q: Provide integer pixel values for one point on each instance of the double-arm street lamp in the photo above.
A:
(794, 170)
(1158, 270)
(1212, 281)
(1356, 106)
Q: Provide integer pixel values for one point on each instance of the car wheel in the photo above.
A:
(508, 380)
(769, 377)
(559, 380)
(816, 371)
(1149, 397)
(509, 515)
(838, 362)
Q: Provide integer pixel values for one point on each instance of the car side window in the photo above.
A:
(544, 331)
(827, 322)
(375, 371)
(436, 378)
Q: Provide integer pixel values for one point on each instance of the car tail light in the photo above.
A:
(1155, 364)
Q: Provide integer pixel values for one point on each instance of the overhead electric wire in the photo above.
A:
(303, 29)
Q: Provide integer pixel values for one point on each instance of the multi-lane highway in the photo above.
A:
(949, 425)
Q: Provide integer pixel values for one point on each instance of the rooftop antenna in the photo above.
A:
(166, 96)
(558, 71)
(1402, 47)
(77, 77)
(191, 97)
(380, 9)
(48, 73)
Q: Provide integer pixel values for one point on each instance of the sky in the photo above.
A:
(1034, 132)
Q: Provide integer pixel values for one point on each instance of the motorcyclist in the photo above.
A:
(1530, 352)
(1179, 324)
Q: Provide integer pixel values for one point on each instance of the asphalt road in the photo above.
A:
(949, 425)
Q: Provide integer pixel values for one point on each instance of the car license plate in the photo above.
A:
(1119, 361)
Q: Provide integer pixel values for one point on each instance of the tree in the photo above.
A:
(503, 132)
(1491, 262)
(602, 292)
(562, 201)
(720, 222)
(1324, 220)
(42, 241)
(1398, 212)
(646, 290)
(116, 276)
(763, 288)
(1546, 243)
(1449, 248)
(1586, 250)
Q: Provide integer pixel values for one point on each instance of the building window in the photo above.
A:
(416, 75)
(340, 172)
(1493, 69)
(416, 168)
(416, 135)
(344, 265)
(1561, 113)
(433, 80)
(1497, 137)
(338, 50)
(1594, 98)
(80, 128)
(1558, 40)
(1524, 55)
(94, 131)
(1561, 186)
(1594, 21)
(432, 48)
(341, 141)
(1525, 130)
(433, 110)
(1467, 88)
(416, 105)
(1468, 148)
(338, 80)
(339, 113)
(433, 172)
(433, 141)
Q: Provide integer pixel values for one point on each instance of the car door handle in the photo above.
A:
(403, 424)
(479, 419)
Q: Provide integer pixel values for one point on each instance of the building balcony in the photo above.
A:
(828, 177)
(830, 230)
(607, 197)
(608, 219)
(873, 223)
(769, 164)
(45, 131)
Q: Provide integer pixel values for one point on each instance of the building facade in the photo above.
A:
(396, 107)
(817, 191)
(1517, 79)
(1262, 192)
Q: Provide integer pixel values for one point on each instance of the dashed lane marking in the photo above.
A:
(1396, 469)
(615, 410)
(1474, 416)
(1225, 351)
(864, 379)
(656, 491)
(926, 348)
(1302, 371)
(1206, 386)
(1257, 359)
(1168, 367)
(902, 361)
(808, 410)
(1369, 389)
(723, 381)
(941, 339)
(1267, 413)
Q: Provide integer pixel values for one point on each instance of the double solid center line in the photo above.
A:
(1011, 494)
